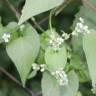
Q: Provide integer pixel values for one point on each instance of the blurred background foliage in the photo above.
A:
(63, 21)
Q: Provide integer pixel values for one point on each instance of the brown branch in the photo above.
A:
(64, 5)
(16, 13)
(43, 20)
(89, 5)
(36, 25)
(16, 81)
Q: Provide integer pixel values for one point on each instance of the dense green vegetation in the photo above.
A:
(47, 47)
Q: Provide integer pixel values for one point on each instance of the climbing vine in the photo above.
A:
(47, 47)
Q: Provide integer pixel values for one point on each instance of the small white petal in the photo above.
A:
(42, 65)
(56, 41)
(81, 19)
(35, 67)
(6, 40)
(74, 33)
(42, 69)
(85, 27)
(6, 37)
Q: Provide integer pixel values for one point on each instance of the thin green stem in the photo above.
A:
(52, 12)
(50, 21)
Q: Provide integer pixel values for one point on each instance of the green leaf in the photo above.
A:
(89, 46)
(50, 86)
(77, 45)
(45, 37)
(12, 26)
(79, 94)
(81, 68)
(55, 60)
(23, 51)
(35, 7)
(41, 59)
(94, 90)
(87, 14)
(92, 1)
(32, 74)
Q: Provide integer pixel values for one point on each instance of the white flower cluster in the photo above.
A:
(38, 67)
(81, 27)
(56, 41)
(6, 37)
(61, 77)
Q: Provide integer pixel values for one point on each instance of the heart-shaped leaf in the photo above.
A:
(55, 60)
(35, 7)
(23, 51)
(50, 86)
(89, 46)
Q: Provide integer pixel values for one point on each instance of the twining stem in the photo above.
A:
(16, 81)
(52, 12)
(64, 5)
(38, 26)
(17, 14)
(50, 21)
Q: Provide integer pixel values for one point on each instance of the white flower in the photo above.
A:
(35, 67)
(38, 67)
(61, 77)
(81, 20)
(6, 37)
(81, 27)
(42, 67)
(55, 41)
